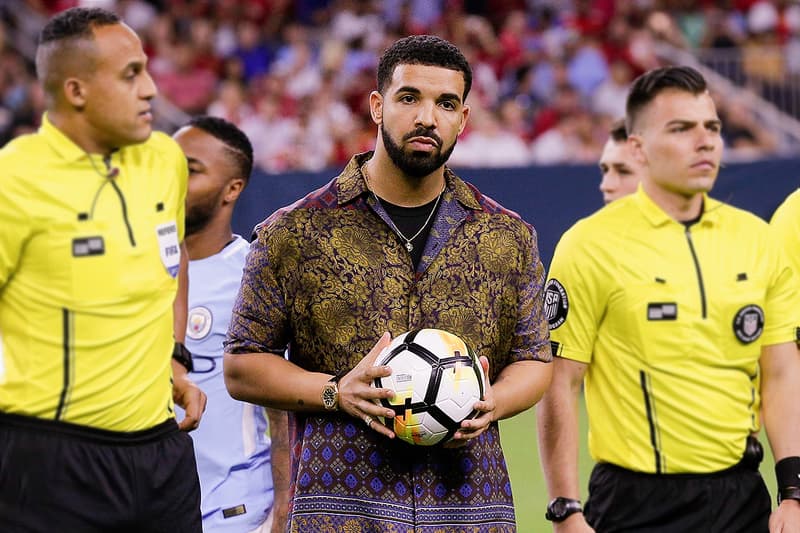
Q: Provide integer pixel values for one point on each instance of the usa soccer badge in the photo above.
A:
(748, 324)
(556, 303)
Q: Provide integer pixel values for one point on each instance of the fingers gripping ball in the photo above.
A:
(436, 379)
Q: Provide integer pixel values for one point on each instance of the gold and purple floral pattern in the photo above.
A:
(326, 277)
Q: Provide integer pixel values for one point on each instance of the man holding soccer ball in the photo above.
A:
(396, 242)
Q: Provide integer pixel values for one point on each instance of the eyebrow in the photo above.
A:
(683, 122)
(414, 90)
(194, 161)
(136, 64)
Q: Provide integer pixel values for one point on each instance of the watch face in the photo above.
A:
(329, 394)
(559, 508)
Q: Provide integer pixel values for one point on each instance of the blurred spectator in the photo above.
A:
(252, 50)
(515, 117)
(489, 144)
(231, 103)
(586, 65)
(744, 139)
(296, 64)
(566, 102)
(185, 83)
(572, 141)
(271, 135)
(609, 98)
(312, 138)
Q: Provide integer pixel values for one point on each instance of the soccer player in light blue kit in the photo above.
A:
(237, 460)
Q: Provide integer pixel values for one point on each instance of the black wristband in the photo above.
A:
(182, 355)
(788, 493)
(787, 472)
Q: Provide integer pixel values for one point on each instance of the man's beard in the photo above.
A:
(198, 217)
(417, 164)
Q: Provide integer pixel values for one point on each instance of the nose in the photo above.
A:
(707, 140)
(609, 182)
(148, 89)
(425, 116)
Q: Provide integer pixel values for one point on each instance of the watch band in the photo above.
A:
(788, 493)
(330, 392)
(182, 355)
(559, 509)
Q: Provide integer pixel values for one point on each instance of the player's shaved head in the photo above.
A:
(66, 47)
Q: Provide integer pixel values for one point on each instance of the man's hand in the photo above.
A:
(786, 518)
(189, 396)
(470, 429)
(357, 395)
(575, 523)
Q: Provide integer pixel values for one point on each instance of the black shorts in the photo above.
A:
(731, 501)
(68, 478)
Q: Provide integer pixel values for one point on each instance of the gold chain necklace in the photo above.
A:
(399, 233)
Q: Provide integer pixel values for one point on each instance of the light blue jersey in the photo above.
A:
(232, 444)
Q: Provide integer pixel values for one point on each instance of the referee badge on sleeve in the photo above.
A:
(556, 303)
(748, 324)
(169, 247)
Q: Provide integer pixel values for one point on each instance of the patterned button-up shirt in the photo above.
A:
(326, 277)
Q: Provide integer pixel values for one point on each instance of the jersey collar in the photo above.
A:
(658, 217)
(62, 144)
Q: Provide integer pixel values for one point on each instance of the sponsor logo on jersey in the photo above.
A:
(748, 324)
(199, 323)
(556, 303)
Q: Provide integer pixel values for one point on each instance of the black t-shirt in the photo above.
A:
(409, 221)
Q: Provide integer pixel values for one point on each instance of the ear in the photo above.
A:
(376, 107)
(637, 149)
(75, 93)
(464, 116)
(232, 190)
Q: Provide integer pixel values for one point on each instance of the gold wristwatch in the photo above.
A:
(330, 394)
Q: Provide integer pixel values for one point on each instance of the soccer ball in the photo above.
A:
(436, 379)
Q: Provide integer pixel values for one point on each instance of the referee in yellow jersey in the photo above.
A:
(678, 313)
(785, 226)
(91, 230)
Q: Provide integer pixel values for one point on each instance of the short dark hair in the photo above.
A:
(58, 55)
(423, 50)
(76, 22)
(647, 86)
(236, 142)
(618, 132)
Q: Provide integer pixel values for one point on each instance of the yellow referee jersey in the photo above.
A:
(671, 321)
(88, 274)
(786, 228)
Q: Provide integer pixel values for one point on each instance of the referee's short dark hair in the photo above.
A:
(618, 132)
(423, 50)
(76, 22)
(237, 145)
(59, 53)
(647, 86)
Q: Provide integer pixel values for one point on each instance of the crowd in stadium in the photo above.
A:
(548, 80)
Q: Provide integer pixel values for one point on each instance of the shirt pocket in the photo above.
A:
(94, 259)
(151, 265)
(656, 321)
